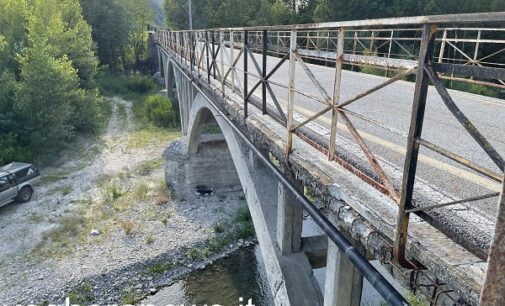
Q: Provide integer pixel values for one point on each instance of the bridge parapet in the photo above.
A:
(213, 56)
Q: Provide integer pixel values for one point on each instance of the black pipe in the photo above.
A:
(378, 281)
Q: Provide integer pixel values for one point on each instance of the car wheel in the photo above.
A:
(25, 194)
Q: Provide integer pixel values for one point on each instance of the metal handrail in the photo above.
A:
(199, 50)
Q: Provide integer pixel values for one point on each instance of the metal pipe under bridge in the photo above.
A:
(366, 116)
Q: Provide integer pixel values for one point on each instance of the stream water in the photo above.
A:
(240, 275)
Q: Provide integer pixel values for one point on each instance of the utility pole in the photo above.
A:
(190, 16)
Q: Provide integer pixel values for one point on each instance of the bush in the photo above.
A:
(140, 84)
(161, 111)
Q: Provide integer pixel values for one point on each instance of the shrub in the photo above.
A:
(161, 111)
(128, 227)
(140, 84)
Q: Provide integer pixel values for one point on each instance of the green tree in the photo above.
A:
(43, 98)
(140, 15)
(110, 24)
(12, 29)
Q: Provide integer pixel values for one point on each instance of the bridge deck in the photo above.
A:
(392, 106)
(363, 210)
(455, 242)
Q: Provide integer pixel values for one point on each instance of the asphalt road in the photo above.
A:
(391, 106)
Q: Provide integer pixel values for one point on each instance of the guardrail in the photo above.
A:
(400, 47)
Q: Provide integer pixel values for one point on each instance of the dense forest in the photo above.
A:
(53, 53)
(225, 13)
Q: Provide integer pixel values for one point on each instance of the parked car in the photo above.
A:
(17, 181)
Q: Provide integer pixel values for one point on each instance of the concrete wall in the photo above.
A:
(211, 166)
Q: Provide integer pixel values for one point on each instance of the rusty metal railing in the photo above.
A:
(400, 47)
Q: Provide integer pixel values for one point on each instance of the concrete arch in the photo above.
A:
(200, 157)
(261, 197)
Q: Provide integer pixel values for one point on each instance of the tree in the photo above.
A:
(12, 29)
(110, 24)
(140, 15)
(43, 98)
(47, 71)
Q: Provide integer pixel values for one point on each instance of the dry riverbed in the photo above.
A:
(102, 226)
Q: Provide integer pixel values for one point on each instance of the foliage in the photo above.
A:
(131, 87)
(161, 112)
(46, 78)
(225, 13)
(82, 294)
(119, 30)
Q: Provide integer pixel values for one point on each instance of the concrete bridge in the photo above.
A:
(267, 110)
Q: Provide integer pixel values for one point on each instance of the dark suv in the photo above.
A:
(17, 181)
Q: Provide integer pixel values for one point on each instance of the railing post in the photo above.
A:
(198, 59)
(246, 38)
(354, 46)
(181, 43)
(221, 57)
(442, 47)
(191, 51)
(493, 290)
(232, 58)
(213, 39)
(207, 55)
(291, 92)
(264, 72)
(416, 126)
(336, 94)
(389, 49)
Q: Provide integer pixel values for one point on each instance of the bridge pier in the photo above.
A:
(289, 222)
(343, 282)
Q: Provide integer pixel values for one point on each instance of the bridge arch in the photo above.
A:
(259, 187)
(191, 159)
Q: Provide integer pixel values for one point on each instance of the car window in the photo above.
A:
(20, 174)
(4, 184)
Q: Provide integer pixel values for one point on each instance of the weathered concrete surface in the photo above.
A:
(288, 275)
(344, 283)
(212, 166)
(366, 214)
(493, 291)
(289, 222)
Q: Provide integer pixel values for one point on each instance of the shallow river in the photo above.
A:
(240, 275)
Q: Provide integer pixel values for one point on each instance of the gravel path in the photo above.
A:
(103, 217)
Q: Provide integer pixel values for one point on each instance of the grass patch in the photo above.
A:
(218, 228)
(63, 234)
(35, 217)
(131, 87)
(130, 297)
(122, 115)
(128, 227)
(193, 254)
(160, 268)
(82, 294)
(51, 178)
(140, 192)
(149, 239)
(111, 192)
(151, 135)
(241, 227)
(65, 190)
(415, 300)
(146, 167)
